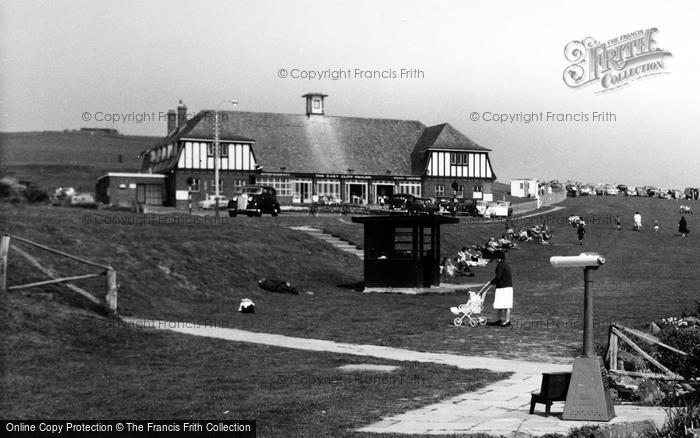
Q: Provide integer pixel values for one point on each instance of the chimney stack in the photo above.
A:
(172, 121)
(181, 114)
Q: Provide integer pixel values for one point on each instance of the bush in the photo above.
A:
(35, 195)
(678, 418)
(685, 339)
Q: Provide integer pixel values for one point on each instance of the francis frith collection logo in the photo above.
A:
(615, 63)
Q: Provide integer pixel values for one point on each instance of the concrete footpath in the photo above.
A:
(501, 408)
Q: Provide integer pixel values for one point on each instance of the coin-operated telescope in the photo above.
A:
(588, 397)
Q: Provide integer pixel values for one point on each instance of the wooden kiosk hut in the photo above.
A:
(402, 251)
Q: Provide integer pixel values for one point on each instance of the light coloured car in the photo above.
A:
(210, 202)
(493, 209)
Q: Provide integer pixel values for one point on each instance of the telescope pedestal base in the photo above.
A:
(588, 397)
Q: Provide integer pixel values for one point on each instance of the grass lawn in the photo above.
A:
(200, 273)
(67, 362)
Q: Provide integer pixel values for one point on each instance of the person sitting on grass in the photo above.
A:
(523, 236)
(447, 267)
(506, 243)
(491, 247)
(463, 258)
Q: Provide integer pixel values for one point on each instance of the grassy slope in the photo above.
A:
(200, 272)
(83, 157)
(69, 363)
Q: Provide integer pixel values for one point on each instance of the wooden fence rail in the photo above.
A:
(110, 299)
(616, 335)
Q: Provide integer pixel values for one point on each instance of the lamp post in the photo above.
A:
(217, 153)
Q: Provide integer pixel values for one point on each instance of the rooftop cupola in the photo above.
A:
(314, 103)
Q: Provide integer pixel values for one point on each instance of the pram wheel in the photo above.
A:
(482, 321)
(458, 321)
(474, 322)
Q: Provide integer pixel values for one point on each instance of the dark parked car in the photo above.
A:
(422, 206)
(400, 202)
(254, 201)
(403, 203)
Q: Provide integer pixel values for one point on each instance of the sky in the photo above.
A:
(66, 61)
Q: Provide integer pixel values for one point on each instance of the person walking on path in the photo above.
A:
(683, 227)
(617, 222)
(503, 300)
(637, 221)
(581, 231)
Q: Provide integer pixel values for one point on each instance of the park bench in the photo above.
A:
(554, 388)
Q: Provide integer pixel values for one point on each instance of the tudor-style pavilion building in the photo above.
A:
(309, 155)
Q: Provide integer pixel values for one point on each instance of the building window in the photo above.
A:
(195, 185)
(439, 191)
(280, 184)
(221, 185)
(317, 104)
(328, 188)
(238, 185)
(150, 194)
(223, 149)
(459, 158)
(410, 188)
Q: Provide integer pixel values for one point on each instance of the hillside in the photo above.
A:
(69, 158)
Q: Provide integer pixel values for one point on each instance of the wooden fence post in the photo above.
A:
(613, 351)
(4, 248)
(111, 296)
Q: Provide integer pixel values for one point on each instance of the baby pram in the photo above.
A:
(471, 307)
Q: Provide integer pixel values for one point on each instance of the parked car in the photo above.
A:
(400, 202)
(421, 206)
(611, 190)
(466, 207)
(494, 209)
(210, 202)
(254, 201)
(586, 191)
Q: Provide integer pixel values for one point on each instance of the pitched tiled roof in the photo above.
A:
(315, 144)
(445, 137)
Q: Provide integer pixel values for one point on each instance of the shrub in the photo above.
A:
(685, 339)
(678, 418)
(35, 195)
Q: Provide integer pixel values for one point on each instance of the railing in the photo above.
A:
(110, 299)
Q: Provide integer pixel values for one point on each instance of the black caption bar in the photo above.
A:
(128, 428)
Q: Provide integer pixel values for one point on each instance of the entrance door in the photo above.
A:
(302, 190)
(383, 190)
(356, 193)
